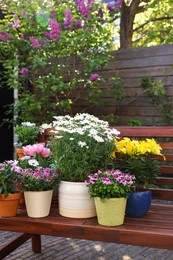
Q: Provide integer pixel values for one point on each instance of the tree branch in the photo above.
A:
(153, 20)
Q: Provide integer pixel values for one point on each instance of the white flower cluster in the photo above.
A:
(28, 124)
(43, 127)
(85, 124)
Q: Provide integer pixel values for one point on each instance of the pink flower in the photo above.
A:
(16, 22)
(34, 42)
(4, 36)
(55, 29)
(94, 77)
(29, 150)
(38, 148)
(24, 72)
(68, 19)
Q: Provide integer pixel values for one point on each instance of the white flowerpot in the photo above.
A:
(38, 203)
(75, 201)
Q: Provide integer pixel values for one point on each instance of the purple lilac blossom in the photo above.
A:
(118, 4)
(68, 19)
(52, 13)
(34, 42)
(90, 2)
(24, 72)
(16, 23)
(100, 12)
(4, 36)
(78, 24)
(94, 77)
(110, 7)
(24, 13)
(83, 9)
(55, 29)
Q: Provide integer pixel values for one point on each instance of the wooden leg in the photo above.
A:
(13, 244)
(36, 243)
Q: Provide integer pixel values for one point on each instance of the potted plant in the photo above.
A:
(110, 189)
(37, 179)
(137, 157)
(80, 145)
(9, 196)
(27, 133)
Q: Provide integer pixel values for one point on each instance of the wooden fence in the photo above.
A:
(132, 65)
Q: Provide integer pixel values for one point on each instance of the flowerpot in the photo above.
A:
(75, 201)
(138, 203)
(20, 152)
(110, 212)
(9, 205)
(38, 203)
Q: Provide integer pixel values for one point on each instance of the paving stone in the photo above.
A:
(74, 249)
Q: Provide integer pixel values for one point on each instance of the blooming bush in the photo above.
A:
(49, 50)
(27, 133)
(137, 157)
(82, 144)
(108, 184)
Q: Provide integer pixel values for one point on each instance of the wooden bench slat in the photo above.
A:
(55, 225)
(165, 181)
(162, 194)
(166, 170)
(145, 131)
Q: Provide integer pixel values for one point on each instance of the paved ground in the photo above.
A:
(59, 248)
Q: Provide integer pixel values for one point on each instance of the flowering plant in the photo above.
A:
(36, 155)
(110, 184)
(33, 171)
(49, 48)
(81, 144)
(27, 133)
(137, 157)
(8, 178)
(39, 179)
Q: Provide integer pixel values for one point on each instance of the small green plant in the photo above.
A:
(134, 122)
(112, 119)
(27, 133)
(118, 88)
(7, 178)
(157, 92)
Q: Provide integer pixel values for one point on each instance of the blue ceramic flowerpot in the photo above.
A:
(138, 203)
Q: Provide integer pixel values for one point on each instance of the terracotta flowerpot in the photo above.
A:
(20, 152)
(9, 205)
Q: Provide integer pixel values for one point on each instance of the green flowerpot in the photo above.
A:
(110, 212)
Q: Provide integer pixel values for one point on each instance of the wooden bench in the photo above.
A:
(153, 230)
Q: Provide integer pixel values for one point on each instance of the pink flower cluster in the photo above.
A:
(94, 77)
(109, 177)
(4, 36)
(68, 19)
(24, 72)
(34, 42)
(54, 34)
(39, 148)
(83, 9)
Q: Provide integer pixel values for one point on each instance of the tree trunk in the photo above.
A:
(126, 23)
